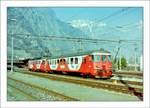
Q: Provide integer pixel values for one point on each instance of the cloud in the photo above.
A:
(86, 23)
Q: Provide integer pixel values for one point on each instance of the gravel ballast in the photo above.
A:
(76, 91)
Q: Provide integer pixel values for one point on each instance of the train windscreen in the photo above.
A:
(109, 58)
(103, 58)
(96, 58)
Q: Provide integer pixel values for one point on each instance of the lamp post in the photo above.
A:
(12, 46)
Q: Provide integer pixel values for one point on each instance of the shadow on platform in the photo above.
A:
(131, 89)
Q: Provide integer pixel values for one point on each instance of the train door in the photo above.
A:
(42, 66)
(84, 66)
(34, 68)
(47, 66)
(62, 65)
(38, 63)
(108, 63)
(89, 64)
(75, 63)
(54, 64)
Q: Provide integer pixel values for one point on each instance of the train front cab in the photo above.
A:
(102, 66)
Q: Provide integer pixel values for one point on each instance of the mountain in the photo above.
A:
(34, 28)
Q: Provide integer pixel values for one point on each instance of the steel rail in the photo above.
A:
(29, 96)
(129, 73)
(124, 88)
(49, 92)
(108, 80)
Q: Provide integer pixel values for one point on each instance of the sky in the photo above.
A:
(127, 19)
(132, 14)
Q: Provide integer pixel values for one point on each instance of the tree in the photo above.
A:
(123, 62)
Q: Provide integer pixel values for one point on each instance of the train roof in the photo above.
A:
(95, 52)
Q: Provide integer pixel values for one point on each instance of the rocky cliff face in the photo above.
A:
(31, 26)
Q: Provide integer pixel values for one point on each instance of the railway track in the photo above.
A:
(35, 92)
(129, 73)
(126, 81)
(26, 96)
(122, 87)
(119, 79)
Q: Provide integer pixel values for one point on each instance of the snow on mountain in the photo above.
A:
(87, 26)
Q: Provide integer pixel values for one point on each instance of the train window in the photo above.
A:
(71, 60)
(43, 62)
(109, 58)
(55, 61)
(96, 58)
(64, 60)
(103, 58)
(76, 60)
(84, 60)
(93, 59)
(58, 61)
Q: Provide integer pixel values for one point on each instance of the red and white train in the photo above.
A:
(97, 64)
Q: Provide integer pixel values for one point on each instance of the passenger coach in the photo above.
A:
(97, 64)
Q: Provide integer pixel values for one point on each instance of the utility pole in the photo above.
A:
(120, 55)
(141, 63)
(12, 52)
(135, 49)
(120, 60)
(12, 47)
(80, 46)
